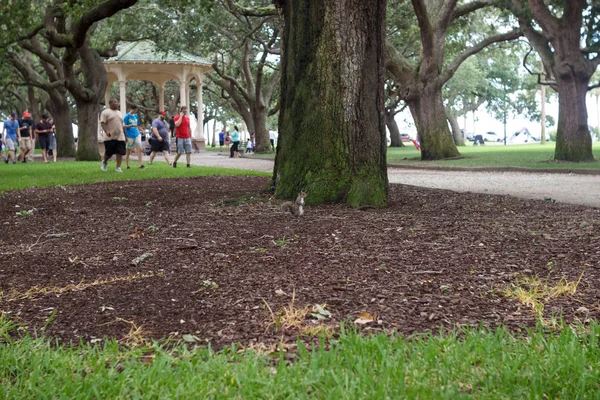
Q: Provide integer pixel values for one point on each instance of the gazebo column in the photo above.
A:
(122, 96)
(107, 95)
(161, 96)
(199, 134)
(182, 94)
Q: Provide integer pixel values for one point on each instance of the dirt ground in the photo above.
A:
(214, 260)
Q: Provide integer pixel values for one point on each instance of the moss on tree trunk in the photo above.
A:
(435, 137)
(331, 125)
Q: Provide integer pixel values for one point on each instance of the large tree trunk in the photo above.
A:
(392, 125)
(61, 114)
(331, 125)
(435, 137)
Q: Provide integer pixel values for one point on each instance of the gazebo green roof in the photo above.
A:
(145, 52)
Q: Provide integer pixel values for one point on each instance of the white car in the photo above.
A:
(491, 137)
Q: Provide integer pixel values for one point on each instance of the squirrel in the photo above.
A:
(296, 208)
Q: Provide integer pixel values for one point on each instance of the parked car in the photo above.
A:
(405, 137)
(491, 137)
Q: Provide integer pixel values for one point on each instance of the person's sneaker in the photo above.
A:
(104, 167)
(188, 165)
(119, 170)
(128, 167)
(142, 166)
(5, 160)
(174, 165)
(14, 162)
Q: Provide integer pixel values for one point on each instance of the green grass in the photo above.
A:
(471, 364)
(20, 176)
(490, 155)
(493, 155)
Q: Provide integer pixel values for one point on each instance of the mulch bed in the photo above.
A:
(221, 251)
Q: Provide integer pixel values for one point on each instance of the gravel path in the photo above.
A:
(567, 188)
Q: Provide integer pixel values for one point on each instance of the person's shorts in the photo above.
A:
(44, 141)
(112, 147)
(11, 145)
(184, 146)
(25, 143)
(221, 142)
(159, 145)
(134, 142)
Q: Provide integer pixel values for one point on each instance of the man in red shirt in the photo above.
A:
(182, 135)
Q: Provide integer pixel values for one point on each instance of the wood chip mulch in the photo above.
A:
(213, 259)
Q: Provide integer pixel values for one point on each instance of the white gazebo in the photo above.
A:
(143, 61)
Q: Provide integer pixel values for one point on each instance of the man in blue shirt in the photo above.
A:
(10, 137)
(131, 124)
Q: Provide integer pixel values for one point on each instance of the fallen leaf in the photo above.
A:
(366, 318)
(280, 292)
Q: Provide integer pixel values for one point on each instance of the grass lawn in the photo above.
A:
(493, 155)
(20, 176)
(471, 364)
(490, 155)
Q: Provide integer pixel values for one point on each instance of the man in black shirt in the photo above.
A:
(27, 135)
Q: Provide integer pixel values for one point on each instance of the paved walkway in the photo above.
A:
(567, 188)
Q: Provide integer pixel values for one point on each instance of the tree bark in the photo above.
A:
(392, 125)
(432, 126)
(458, 137)
(261, 132)
(331, 123)
(60, 110)
(87, 142)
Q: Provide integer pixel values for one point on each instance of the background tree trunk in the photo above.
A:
(456, 134)
(87, 141)
(61, 114)
(392, 125)
(432, 125)
(573, 140)
(261, 132)
(331, 125)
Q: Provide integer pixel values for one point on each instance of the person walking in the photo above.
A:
(52, 150)
(221, 140)
(235, 142)
(182, 135)
(131, 124)
(10, 137)
(43, 130)
(111, 121)
(160, 138)
(27, 136)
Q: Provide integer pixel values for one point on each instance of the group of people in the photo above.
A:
(233, 139)
(123, 136)
(19, 135)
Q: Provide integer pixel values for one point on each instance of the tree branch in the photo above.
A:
(460, 58)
